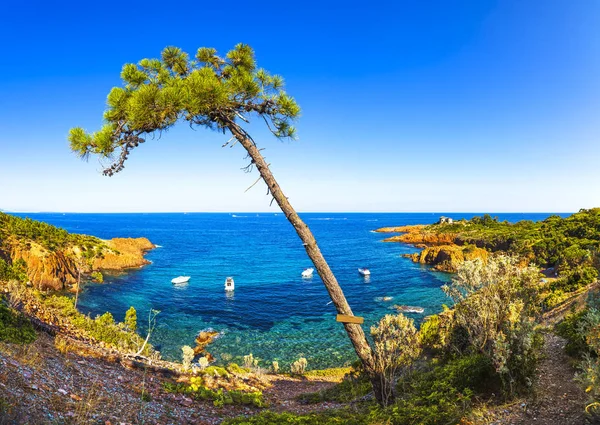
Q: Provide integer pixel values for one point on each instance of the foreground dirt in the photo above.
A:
(40, 385)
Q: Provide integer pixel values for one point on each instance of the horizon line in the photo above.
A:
(299, 212)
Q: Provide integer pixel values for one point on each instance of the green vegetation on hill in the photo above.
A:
(568, 247)
(48, 236)
(564, 243)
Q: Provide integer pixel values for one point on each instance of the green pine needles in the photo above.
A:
(209, 91)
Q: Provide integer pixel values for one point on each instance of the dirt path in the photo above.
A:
(283, 392)
(558, 399)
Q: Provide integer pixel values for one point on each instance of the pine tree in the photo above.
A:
(131, 319)
(219, 94)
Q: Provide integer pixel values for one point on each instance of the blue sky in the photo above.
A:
(406, 106)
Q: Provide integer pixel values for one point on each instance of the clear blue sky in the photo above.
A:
(406, 106)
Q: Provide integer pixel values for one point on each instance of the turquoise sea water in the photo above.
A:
(274, 313)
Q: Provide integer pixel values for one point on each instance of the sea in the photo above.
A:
(273, 314)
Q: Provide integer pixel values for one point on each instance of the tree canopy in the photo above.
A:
(209, 91)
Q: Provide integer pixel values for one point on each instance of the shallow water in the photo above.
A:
(274, 313)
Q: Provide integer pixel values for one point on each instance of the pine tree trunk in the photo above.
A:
(354, 331)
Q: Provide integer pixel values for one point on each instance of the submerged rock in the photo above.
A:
(409, 309)
(204, 338)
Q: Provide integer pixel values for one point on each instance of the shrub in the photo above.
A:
(250, 361)
(15, 271)
(216, 371)
(576, 279)
(443, 394)
(275, 366)
(14, 326)
(219, 397)
(497, 303)
(396, 346)
(236, 369)
(571, 328)
(203, 362)
(103, 328)
(187, 357)
(131, 319)
(299, 366)
(97, 276)
(554, 298)
(582, 331)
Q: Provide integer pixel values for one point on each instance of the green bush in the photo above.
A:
(131, 319)
(14, 327)
(571, 329)
(16, 271)
(219, 397)
(575, 279)
(443, 394)
(553, 299)
(216, 371)
(97, 276)
(237, 369)
(102, 328)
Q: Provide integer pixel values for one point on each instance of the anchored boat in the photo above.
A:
(229, 284)
(364, 271)
(181, 279)
(308, 272)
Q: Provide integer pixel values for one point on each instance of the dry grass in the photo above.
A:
(29, 354)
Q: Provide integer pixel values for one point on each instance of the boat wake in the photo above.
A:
(384, 298)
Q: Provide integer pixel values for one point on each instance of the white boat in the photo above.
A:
(308, 272)
(364, 271)
(181, 279)
(229, 284)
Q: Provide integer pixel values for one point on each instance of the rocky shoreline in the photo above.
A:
(441, 250)
(59, 269)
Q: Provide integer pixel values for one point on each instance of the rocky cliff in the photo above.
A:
(58, 269)
(447, 258)
(418, 235)
(123, 253)
(442, 250)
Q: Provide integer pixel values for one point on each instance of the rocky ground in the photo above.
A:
(41, 385)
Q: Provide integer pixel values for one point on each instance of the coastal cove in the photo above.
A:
(274, 313)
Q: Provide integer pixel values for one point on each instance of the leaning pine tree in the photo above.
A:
(216, 93)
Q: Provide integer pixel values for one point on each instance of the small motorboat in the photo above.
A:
(181, 279)
(409, 309)
(364, 271)
(308, 272)
(229, 284)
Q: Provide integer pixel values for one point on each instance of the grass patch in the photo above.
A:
(336, 372)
